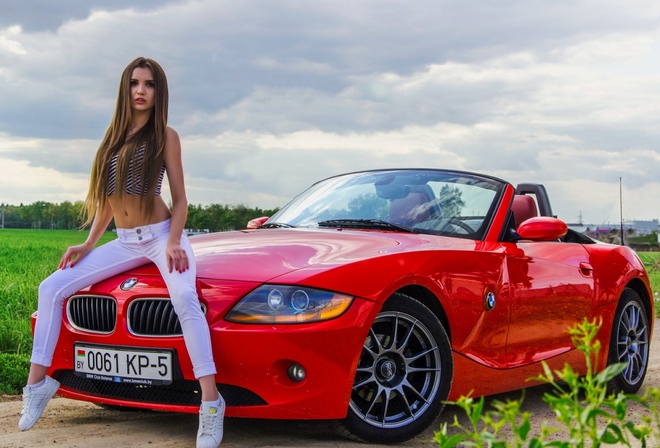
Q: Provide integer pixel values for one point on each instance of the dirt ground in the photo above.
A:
(69, 423)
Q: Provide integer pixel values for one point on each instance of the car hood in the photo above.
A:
(265, 254)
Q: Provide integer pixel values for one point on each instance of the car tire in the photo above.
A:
(629, 342)
(403, 375)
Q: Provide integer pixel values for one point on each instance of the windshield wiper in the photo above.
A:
(276, 225)
(364, 224)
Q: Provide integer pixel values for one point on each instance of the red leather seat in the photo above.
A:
(523, 207)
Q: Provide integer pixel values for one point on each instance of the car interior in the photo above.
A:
(523, 208)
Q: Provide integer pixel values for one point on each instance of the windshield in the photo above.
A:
(423, 201)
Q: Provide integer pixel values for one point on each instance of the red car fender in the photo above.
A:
(605, 263)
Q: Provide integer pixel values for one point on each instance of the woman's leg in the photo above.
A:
(196, 334)
(183, 294)
(103, 262)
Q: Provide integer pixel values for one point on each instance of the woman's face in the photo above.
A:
(143, 89)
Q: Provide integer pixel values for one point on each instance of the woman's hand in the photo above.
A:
(74, 254)
(177, 259)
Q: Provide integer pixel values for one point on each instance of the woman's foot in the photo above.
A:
(35, 399)
(211, 415)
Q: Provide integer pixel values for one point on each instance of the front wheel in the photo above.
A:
(629, 342)
(403, 376)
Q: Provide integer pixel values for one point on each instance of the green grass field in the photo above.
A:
(652, 262)
(28, 256)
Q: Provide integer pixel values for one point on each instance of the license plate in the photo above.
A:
(123, 365)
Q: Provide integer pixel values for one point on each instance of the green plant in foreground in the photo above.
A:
(591, 414)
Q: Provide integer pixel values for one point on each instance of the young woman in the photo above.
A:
(125, 183)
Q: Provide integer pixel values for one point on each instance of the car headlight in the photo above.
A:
(279, 304)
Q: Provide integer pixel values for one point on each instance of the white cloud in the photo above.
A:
(7, 42)
(31, 184)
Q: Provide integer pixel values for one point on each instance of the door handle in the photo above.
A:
(586, 269)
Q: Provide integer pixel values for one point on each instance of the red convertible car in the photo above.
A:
(372, 298)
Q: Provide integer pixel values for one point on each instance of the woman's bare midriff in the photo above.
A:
(128, 214)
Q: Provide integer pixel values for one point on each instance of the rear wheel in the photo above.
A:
(403, 376)
(629, 342)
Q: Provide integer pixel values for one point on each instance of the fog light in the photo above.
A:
(296, 372)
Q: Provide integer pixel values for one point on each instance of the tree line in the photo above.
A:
(66, 216)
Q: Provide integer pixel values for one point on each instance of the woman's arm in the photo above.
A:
(177, 258)
(75, 253)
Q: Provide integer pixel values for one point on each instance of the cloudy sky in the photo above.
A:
(270, 96)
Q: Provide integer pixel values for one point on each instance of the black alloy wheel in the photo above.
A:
(403, 376)
(629, 342)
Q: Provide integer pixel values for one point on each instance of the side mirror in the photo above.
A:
(257, 222)
(542, 228)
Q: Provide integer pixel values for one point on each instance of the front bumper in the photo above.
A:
(251, 360)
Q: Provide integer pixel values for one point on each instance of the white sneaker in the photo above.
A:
(35, 400)
(209, 434)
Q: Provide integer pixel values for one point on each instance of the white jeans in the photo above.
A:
(132, 248)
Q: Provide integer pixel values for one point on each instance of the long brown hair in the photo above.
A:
(117, 141)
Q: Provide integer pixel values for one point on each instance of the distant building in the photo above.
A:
(595, 230)
(645, 227)
(631, 228)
